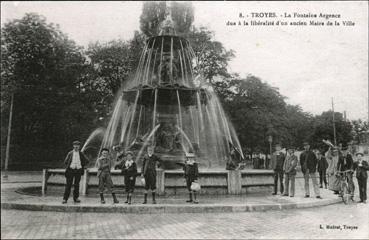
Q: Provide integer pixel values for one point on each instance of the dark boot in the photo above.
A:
(190, 194)
(130, 199)
(127, 198)
(195, 200)
(145, 198)
(115, 198)
(153, 198)
(102, 198)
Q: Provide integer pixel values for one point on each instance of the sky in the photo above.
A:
(309, 64)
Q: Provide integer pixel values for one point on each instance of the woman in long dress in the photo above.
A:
(332, 159)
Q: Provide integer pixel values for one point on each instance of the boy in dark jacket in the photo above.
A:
(129, 170)
(322, 169)
(103, 164)
(149, 173)
(191, 174)
(361, 166)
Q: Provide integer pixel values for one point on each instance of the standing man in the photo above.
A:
(289, 168)
(361, 166)
(149, 173)
(277, 165)
(345, 162)
(308, 163)
(75, 163)
(322, 169)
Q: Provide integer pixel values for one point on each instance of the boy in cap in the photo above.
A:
(191, 174)
(289, 168)
(103, 164)
(149, 173)
(308, 163)
(361, 166)
(322, 169)
(75, 163)
(129, 170)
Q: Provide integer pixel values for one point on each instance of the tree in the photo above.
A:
(360, 129)
(323, 129)
(42, 67)
(211, 57)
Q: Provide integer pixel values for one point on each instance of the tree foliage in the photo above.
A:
(42, 67)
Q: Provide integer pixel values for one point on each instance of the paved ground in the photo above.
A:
(297, 223)
(301, 224)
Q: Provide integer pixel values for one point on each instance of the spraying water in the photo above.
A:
(165, 105)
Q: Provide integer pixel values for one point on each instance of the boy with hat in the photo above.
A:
(289, 168)
(191, 174)
(75, 163)
(129, 170)
(103, 164)
(149, 172)
(322, 169)
(308, 163)
(361, 166)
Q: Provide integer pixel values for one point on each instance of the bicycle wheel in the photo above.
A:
(345, 194)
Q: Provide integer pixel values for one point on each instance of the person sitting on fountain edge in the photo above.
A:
(103, 164)
(148, 171)
(75, 163)
(191, 174)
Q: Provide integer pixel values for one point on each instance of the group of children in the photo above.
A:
(126, 163)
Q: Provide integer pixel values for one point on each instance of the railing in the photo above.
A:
(228, 182)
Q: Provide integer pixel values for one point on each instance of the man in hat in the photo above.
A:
(345, 163)
(361, 166)
(277, 165)
(75, 163)
(308, 163)
(289, 168)
(149, 173)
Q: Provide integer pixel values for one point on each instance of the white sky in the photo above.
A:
(308, 64)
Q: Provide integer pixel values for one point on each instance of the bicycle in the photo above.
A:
(344, 187)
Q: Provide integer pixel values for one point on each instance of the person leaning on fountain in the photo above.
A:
(148, 171)
(75, 163)
(191, 174)
(103, 165)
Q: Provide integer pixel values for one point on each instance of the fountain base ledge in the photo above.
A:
(171, 182)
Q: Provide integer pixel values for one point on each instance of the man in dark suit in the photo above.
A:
(75, 163)
(277, 165)
(308, 164)
(361, 166)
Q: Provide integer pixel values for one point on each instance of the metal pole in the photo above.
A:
(334, 125)
(7, 153)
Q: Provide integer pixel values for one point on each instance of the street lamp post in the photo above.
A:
(270, 140)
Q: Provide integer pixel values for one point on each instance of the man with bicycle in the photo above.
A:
(345, 163)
